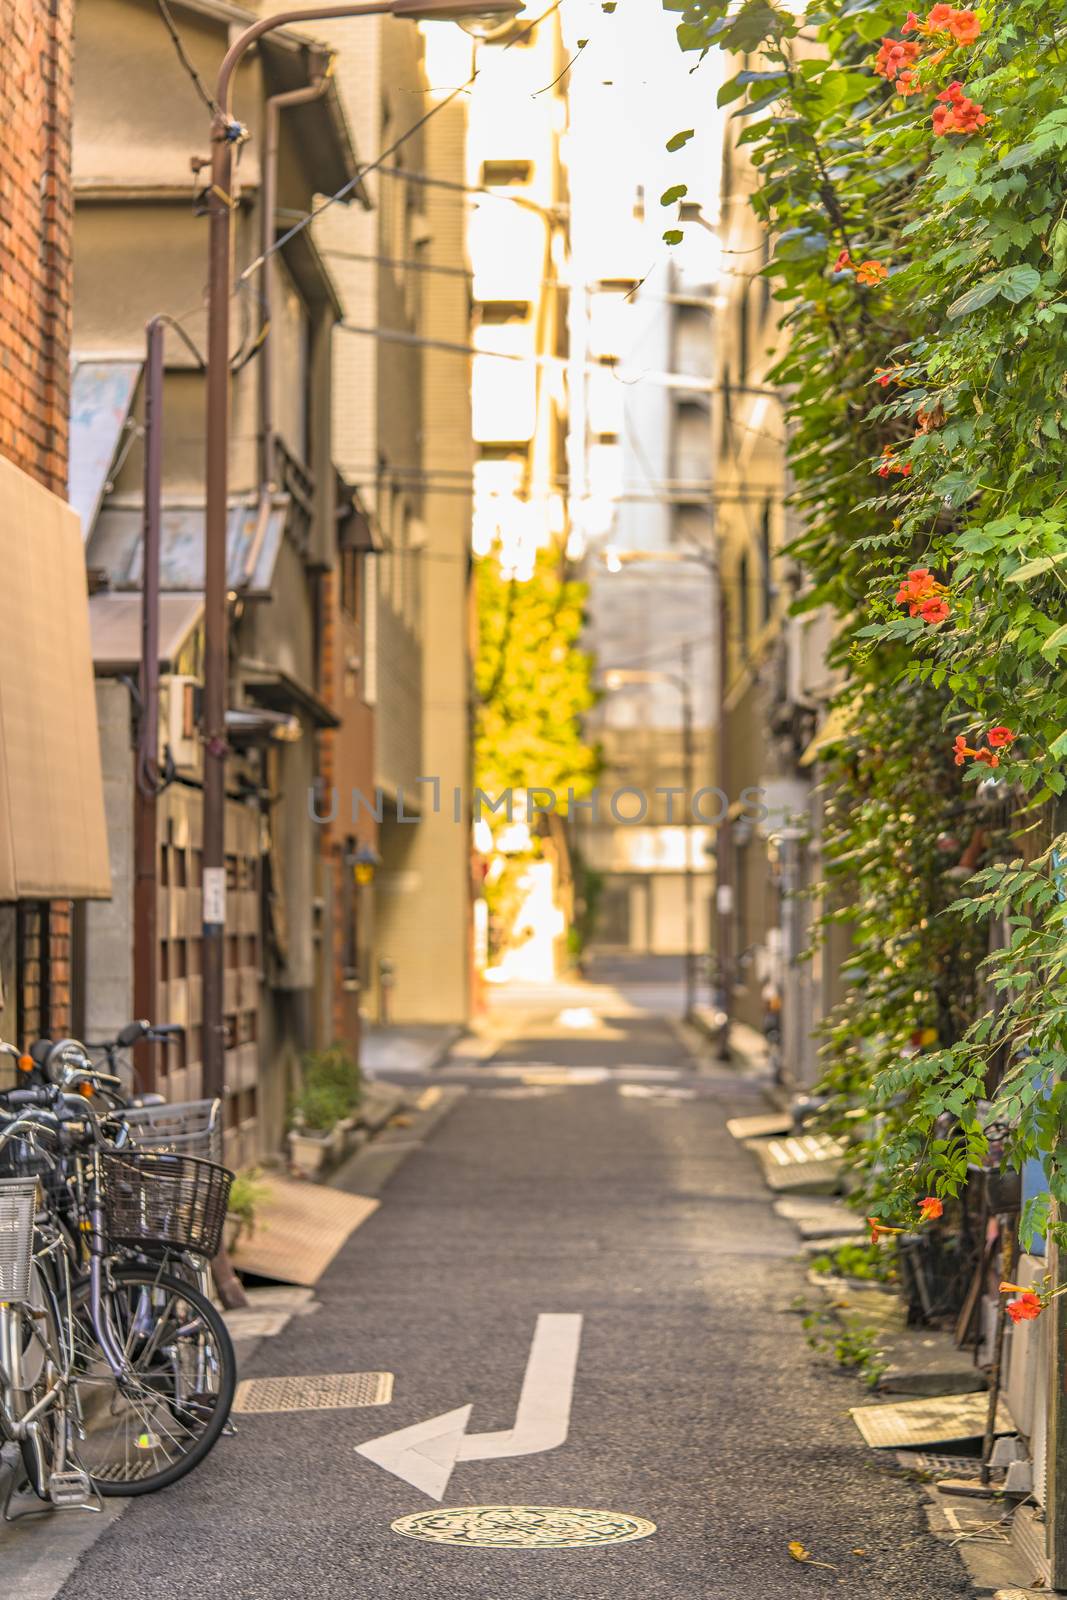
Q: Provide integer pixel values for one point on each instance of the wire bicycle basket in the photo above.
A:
(187, 1128)
(18, 1204)
(156, 1197)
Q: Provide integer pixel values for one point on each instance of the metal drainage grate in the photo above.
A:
(524, 1527)
(326, 1391)
(948, 1466)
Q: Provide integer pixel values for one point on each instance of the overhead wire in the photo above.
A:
(171, 26)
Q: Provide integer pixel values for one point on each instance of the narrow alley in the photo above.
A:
(584, 1172)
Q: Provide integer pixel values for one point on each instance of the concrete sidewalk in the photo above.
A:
(405, 1051)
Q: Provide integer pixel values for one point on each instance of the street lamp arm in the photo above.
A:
(412, 10)
(284, 19)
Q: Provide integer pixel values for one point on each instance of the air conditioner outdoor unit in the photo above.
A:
(178, 719)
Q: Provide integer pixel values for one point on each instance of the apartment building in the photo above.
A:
(778, 684)
(140, 239)
(640, 491)
(402, 441)
(53, 842)
(518, 240)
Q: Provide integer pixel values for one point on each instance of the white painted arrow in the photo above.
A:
(425, 1454)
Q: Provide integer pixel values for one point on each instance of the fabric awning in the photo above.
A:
(53, 836)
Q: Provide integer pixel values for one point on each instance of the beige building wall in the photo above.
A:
(402, 413)
(429, 918)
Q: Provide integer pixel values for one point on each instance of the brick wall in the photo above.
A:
(35, 324)
(35, 236)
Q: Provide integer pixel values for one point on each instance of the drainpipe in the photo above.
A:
(145, 897)
(276, 104)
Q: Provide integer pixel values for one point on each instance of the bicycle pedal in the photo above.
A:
(70, 1488)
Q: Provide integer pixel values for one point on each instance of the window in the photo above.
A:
(743, 632)
(506, 174)
(349, 924)
(351, 565)
(742, 332)
(766, 558)
(497, 313)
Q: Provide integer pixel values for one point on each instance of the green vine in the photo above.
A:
(911, 177)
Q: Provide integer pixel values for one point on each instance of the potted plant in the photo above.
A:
(247, 1193)
(316, 1140)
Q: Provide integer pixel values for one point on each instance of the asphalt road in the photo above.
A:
(696, 1403)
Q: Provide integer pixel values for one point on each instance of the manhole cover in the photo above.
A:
(328, 1391)
(524, 1527)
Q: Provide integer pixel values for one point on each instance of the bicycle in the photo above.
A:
(152, 1370)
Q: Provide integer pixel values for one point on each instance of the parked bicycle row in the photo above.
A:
(117, 1373)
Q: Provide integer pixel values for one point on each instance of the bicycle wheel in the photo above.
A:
(145, 1432)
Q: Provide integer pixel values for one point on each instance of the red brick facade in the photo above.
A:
(36, 215)
(35, 236)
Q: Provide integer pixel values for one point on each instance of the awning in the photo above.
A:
(253, 539)
(273, 686)
(836, 725)
(101, 394)
(115, 628)
(53, 836)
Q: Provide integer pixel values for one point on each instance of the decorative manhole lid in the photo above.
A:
(524, 1527)
(320, 1391)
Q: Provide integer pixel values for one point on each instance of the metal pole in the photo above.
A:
(724, 877)
(216, 620)
(1056, 1447)
(687, 784)
(145, 890)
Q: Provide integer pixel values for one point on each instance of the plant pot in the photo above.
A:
(231, 1233)
(310, 1152)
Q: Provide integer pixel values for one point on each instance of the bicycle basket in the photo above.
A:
(18, 1202)
(188, 1128)
(159, 1198)
(22, 1157)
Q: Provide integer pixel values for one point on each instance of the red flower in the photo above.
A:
(920, 587)
(912, 25)
(964, 26)
(906, 83)
(871, 272)
(939, 17)
(961, 750)
(988, 757)
(956, 113)
(843, 263)
(930, 1208)
(1026, 1307)
(1000, 736)
(934, 610)
(879, 1228)
(893, 57)
(885, 376)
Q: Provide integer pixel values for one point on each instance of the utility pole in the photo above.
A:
(690, 871)
(226, 134)
(146, 788)
(724, 862)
